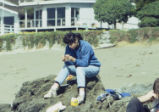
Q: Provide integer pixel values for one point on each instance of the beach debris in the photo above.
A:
(102, 97)
(150, 52)
(130, 75)
(137, 65)
(69, 77)
(74, 101)
(56, 107)
(110, 92)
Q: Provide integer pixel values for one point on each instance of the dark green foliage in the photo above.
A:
(149, 15)
(149, 21)
(141, 3)
(113, 11)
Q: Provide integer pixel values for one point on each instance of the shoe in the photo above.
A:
(51, 93)
(80, 99)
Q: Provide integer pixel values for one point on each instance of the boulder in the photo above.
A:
(30, 97)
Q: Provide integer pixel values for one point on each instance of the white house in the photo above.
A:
(59, 14)
(53, 15)
(9, 20)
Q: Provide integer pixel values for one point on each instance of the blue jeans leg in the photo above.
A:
(83, 72)
(65, 71)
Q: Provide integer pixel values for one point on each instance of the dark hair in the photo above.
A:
(70, 38)
(79, 36)
(156, 86)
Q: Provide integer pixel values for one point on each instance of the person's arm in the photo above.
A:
(86, 53)
(67, 58)
(149, 96)
(83, 61)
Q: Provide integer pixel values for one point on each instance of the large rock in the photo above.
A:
(30, 97)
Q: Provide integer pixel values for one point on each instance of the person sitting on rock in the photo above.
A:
(80, 61)
(137, 104)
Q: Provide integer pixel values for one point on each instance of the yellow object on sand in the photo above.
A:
(69, 77)
(74, 102)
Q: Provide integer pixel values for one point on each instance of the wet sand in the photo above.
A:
(121, 66)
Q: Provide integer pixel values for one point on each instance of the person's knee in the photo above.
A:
(133, 105)
(134, 100)
(80, 69)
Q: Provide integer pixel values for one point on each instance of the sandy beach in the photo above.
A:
(122, 65)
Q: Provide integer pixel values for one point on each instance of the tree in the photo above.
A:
(113, 11)
(149, 15)
(141, 3)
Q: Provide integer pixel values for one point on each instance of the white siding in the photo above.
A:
(9, 28)
(6, 13)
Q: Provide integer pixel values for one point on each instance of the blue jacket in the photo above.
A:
(84, 55)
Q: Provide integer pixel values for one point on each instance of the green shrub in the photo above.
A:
(1, 44)
(38, 40)
(9, 39)
(155, 32)
(141, 34)
(51, 39)
(133, 35)
(118, 35)
(91, 37)
(28, 40)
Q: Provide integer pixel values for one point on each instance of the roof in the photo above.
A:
(5, 2)
(8, 6)
(45, 2)
(8, 10)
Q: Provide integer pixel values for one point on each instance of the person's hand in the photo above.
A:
(63, 58)
(68, 58)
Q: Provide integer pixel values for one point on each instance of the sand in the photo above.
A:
(123, 65)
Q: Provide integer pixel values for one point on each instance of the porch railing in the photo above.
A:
(6, 29)
(32, 23)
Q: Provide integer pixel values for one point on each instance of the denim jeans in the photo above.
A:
(80, 72)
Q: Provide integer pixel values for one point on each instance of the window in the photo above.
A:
(74, 15)
(38, 18)
(51, 16)
(9, 20)
(60, 16)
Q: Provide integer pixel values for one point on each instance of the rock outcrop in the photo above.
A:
(30, 97)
